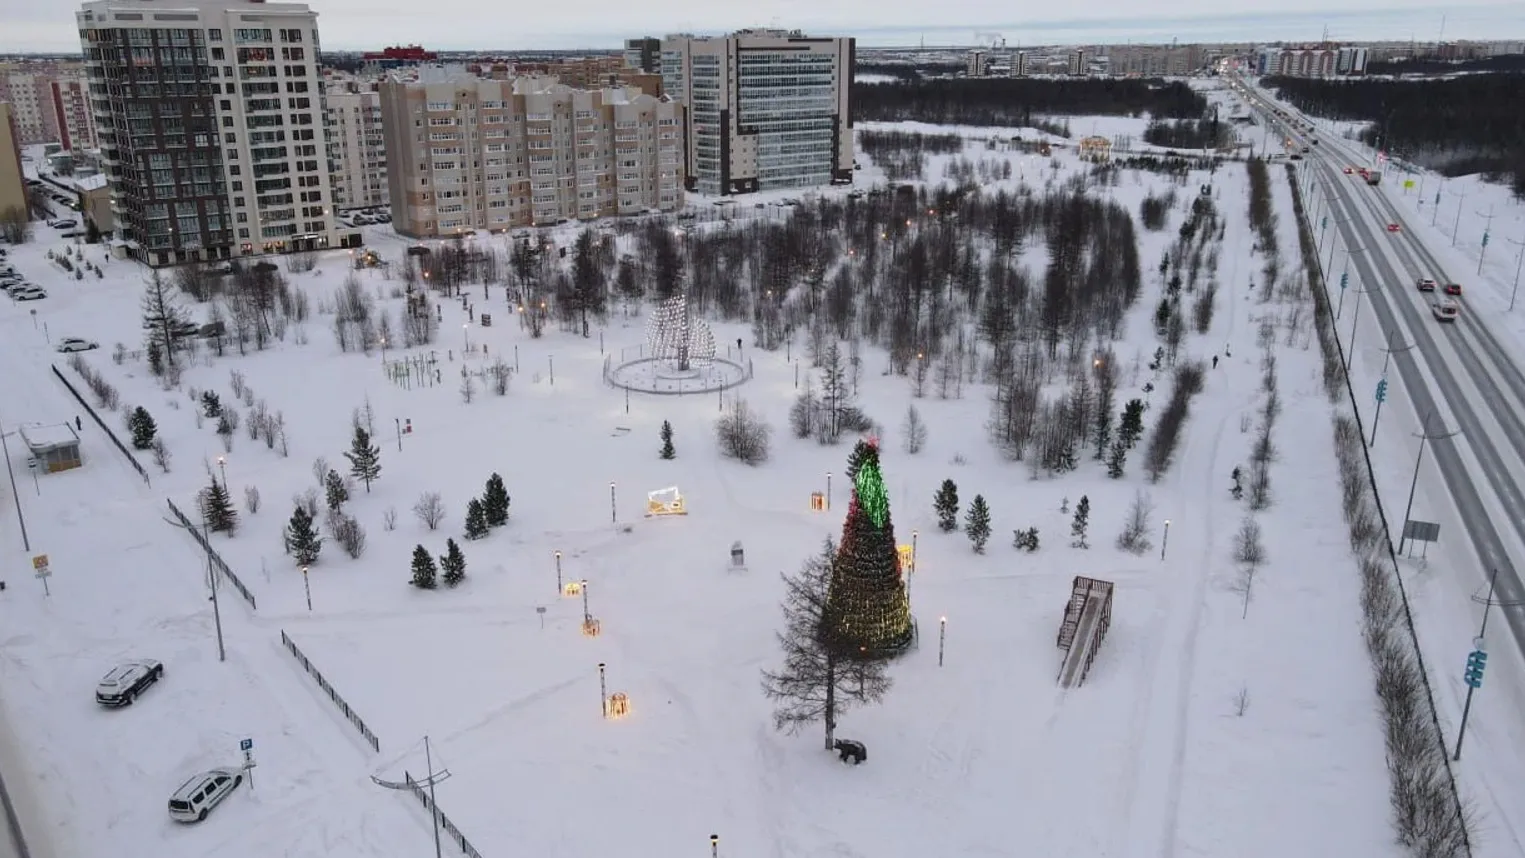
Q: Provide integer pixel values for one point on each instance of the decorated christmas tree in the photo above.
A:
(867, 610)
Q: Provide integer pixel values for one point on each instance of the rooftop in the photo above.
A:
(41, 438)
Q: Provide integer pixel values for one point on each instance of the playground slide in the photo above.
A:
(1085, 636)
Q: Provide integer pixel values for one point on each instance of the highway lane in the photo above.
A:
(1362, 223)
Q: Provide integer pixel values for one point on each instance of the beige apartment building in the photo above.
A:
(51, 102)
(766, 109)
(12, 181)
(467, 153)
(357, 154)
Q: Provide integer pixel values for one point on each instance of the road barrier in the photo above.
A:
(352, 715)
(216, 558)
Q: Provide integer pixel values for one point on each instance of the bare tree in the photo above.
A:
(430, 509)
(743, 435)
(915, 431)
(819, 680)
(1250, 554)
(1135, 536)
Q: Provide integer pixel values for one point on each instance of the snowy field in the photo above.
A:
(1198, 732)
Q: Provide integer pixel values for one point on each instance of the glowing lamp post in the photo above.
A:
(222, 465)
(584, 587)
(466, 337)
(828, 490)
(942, 636)
(558, 572)
(714, 846)
(1165, 540)
(914, 534)
(603, 692)
(307, 585)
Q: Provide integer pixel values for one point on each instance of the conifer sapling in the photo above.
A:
(1081, 521)
(452, 564)
(143, 428)
(977, 523)
(364, 458)
(334, 491)
(423, 569)
(221, 516)
(668, 451)
(302, 538)
(945, 503)
(495, 501)
(476, 519)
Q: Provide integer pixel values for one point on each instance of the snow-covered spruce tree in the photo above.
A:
(476, 519)
(495, 501)
(452, 564)
(1117, 458)
(221, 516)
(977, 524)
(302, 539)
(364, 457)
(1131, 427)
(945, 503)
(211, 404)
(867, 605)
(424, 571)
(1081, 522)
(143, 428)
(821, 676)
(667, 451)
(334, 491)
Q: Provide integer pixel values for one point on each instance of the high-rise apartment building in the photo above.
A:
(644, 54)
(467, 153)
(12, 182)
(27, 87)
(75, 117)
(766, 109)
(357, 154)
(210, 120)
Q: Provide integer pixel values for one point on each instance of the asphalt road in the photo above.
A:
(1461, 358)
(12, 807)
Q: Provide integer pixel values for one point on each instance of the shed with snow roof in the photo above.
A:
(53, 448)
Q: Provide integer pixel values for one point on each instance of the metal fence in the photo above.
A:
(131, 459)
(217, 560)
(444, 821)
(354, 717)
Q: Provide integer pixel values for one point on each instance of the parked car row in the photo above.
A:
(194, 799)
(365, 217)
(16, 287)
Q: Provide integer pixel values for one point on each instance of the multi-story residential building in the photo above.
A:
(12, 181)
(28, 89)
(1080, 62)
(1154, 60)
(210, 120)
(466, 152)
(357, 154)
(766, 109)
(644, 54)
(1324, 60)
(977, 64)
(1019, 66)
(74, 116)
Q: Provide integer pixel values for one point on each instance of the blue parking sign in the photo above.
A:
(246, 745)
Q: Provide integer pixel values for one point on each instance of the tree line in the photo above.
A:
(1459, 126)
(1017, 101)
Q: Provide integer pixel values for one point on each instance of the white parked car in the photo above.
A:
(126, 681)
(29, 293)
(75, 344)
(1446, 310)
(197, 796)
(63, 223)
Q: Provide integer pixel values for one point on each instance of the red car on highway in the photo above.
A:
(1392, 227)
(1453, 289)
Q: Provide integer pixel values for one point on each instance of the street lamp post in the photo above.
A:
(1456, 227)
(222, 465)
(942, 637)
(1165, 539)
(1478, 646)
(714, 846)
(613, 510)
(828, 490)
(206, 541)
(1344, 278)
(1520, 260)
(1350, 352)
(307, 586)
(914, 534)
(585, 615)
(558, 573)
(603, 692)
(1414, 482)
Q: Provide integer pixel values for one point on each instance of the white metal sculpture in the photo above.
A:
(674, 336)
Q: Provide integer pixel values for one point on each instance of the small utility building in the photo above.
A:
(53, 448)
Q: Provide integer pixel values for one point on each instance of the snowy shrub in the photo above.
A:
(251, 499)
(429, 509)
(742, 435)
(1172, 419)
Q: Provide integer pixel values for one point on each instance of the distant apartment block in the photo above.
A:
(357, 155)
(767, 109)
(1154, 60)
(28, 89)
(210, 120)
(397, 56)
(1318, 61)
(644, 54)
(1019, 64)
(467, 153)
(12, 181)
(977, 64)
(1079, 63)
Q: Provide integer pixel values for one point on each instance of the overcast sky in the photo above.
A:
(48, 25)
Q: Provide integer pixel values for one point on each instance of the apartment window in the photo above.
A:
(295, 55)
(217, 54)
(291, 35)
(214, 35)
(434, 106)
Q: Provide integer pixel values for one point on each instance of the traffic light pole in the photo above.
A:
(1475, 666)
(1382, 386)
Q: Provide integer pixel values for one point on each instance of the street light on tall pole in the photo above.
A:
(222, 465)
(1349, 352)
(1382, 391)
(1517, 263)
(1344, 278)
(1487, 229)
(1456, 228)
(1414, 482)
(206, 542)
(1478, 644)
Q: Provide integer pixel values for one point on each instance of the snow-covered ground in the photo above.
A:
(1198, 731)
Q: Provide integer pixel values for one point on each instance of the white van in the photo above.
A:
(197, 796)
